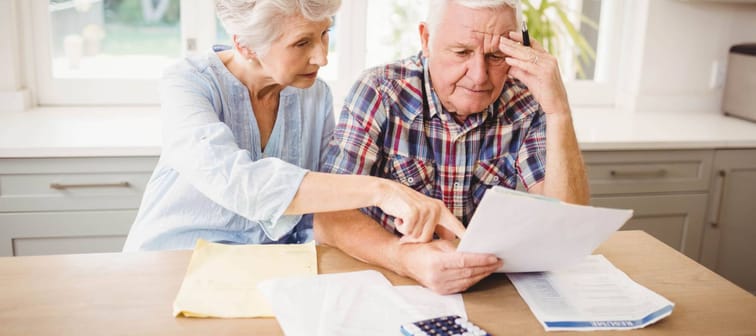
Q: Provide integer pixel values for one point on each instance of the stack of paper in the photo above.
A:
(358, 303)
(592, 295)
(532, 233)
(221, 280)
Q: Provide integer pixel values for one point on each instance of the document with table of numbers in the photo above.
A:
(592, 295)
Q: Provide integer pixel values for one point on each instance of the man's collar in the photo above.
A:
(430, 96)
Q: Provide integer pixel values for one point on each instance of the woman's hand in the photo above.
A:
(539, 70)
(416, 215)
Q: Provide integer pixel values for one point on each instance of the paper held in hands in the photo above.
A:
(532, 233)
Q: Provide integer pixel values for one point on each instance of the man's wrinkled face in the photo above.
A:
(467, 69)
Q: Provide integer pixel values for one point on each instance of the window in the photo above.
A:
(112, 52)
(390, 32)
(90, 39)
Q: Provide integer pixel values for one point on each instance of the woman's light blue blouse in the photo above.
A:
(213, 181)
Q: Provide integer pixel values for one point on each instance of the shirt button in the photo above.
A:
(411, 179)
(496, 179)
(457, 184)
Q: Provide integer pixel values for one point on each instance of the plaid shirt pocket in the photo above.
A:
(489, 173)
(414, 173)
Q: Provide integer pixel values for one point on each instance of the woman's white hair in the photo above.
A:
(257, 23)
(436, 9)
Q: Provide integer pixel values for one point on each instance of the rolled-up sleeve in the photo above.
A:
(204, 152)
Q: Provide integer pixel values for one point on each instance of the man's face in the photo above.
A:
(467, 69)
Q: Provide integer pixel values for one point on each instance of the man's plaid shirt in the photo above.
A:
(393, 125)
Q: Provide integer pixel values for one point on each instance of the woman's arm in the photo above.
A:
(416, 214)
(204, 152)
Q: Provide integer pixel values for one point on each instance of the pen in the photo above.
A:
(525, 36)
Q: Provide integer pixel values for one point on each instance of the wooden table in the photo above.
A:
(132, 293)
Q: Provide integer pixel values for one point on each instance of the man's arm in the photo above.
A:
(435, 265)
(565, 171)
(565, 177)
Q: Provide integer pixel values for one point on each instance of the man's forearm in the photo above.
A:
(359, 236)
(565, 170)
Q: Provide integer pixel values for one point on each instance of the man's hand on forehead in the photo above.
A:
(491, 40)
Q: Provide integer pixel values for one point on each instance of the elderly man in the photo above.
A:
(468, 113)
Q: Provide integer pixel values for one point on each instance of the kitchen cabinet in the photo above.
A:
(668, 191)
(729, 245)
(69, 205)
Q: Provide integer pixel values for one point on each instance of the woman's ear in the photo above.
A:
(247, 53)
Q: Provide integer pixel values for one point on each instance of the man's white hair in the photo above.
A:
(436, 9)
(257, 23)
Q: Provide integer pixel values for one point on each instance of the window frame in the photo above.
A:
(600, 92)
(198, 23)
(51, 91)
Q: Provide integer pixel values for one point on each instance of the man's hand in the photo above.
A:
(537, 69)
(438, 266)
(417, 216)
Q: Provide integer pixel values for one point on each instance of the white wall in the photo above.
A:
(683, 41)
(10, 76)
(13, 96)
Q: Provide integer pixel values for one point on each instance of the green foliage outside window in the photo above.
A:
(132, 12)
(549, 23)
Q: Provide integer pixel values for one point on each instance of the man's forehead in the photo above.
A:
(489, 31)
(486, 34)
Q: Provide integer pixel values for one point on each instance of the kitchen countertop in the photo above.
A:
(131, 131)
(612, 130)
(80, 132)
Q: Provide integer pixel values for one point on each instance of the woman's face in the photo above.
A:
(295, 58)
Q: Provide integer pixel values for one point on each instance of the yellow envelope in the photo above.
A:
(221, 280)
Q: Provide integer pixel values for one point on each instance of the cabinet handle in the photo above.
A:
(639, 173)
(717, 202)
(61, 186)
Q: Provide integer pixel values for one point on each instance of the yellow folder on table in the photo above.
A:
(221, 280)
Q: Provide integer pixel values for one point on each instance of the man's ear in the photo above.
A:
(424, 31)
(242, 50)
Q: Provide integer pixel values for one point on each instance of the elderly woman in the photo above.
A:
(244, 129)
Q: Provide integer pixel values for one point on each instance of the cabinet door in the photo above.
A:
(69, 184)
(43, 233)
(677, 220)
(641, 172)
(729, 246)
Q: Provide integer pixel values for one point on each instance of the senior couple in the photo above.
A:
(251, 154)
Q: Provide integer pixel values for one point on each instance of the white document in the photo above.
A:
(592, 295)
(532, 233)
(356, 303)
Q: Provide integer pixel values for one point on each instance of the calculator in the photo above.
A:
(443, 326)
